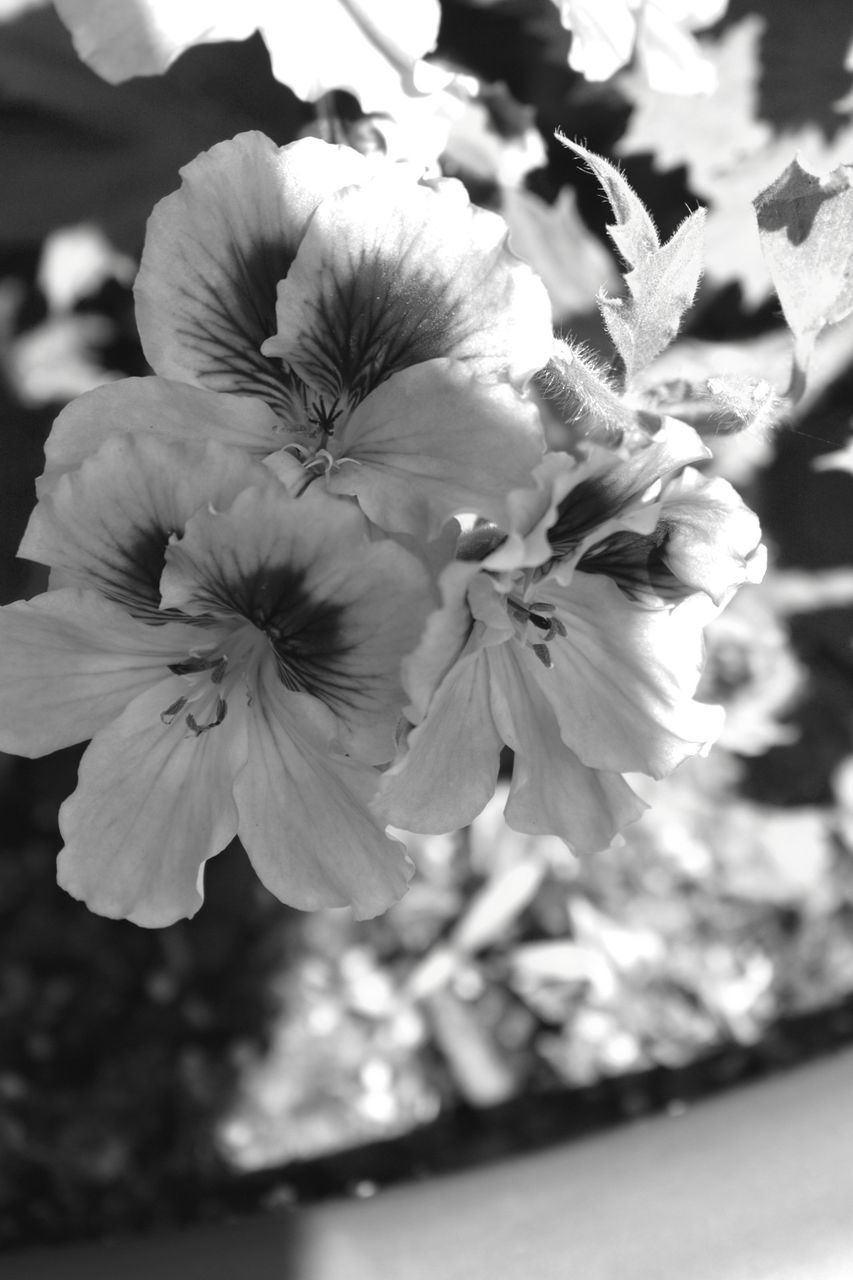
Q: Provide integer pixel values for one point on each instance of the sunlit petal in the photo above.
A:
(215, 251)
(124, 38)
(390, 274)
(153, 803)
(172, 411)
(623, 677)
(370, 47)
(435, 440)
(709, 539)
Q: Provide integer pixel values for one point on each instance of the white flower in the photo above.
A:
(371, 47)
(234, 654)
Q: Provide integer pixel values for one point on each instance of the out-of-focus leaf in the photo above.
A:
(838, 460)
(662, 279)
(74, 148)
(555, 242)
(728, 148)
(722, 405)
(805, 223)
(498, 905)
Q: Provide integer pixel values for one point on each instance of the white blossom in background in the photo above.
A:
(606, 34)
(373, 48)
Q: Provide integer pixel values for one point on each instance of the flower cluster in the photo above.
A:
(310, 576)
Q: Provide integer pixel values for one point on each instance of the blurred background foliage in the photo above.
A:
(514, 995)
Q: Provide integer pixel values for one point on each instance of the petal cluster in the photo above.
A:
(574, 638)
(318, 571)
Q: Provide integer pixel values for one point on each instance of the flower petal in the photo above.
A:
(552, 793)
(124, 38)
(338, 611)
(153, 803)
(709, 539)
(449, 771)
(435, 440)
(623, 677)
(214, 253)
(157, 407)
(108, 523)
(610, 488)
(390, 274)
(70, 662)
(304, 816)
(370, 47)
(602, 35)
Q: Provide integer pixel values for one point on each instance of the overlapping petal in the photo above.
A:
(70, 662)
(153, 803)
(215, 251)
(434, 440)
(623, 677)
(551, 791)
(155, 407)
(370, 47)
(107, 524)
(338, 611)
(390, 274)
(304, 816)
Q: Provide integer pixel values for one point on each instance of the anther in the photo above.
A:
(168, 716)
(543, 654)
(218, 716)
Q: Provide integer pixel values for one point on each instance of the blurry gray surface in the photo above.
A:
(754, 1185)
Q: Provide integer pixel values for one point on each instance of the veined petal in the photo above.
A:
(390, 274)
(215, 251)
(552, 793)
(70, 662)
(623, 677)
(107, 524)
(334, 612)
(153, 803)
(435, 440)
(172, 411)
(124, 38)
(609, 488)
(304, 816)
(449, 770)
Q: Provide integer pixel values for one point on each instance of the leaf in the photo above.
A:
(805, 224)
(719, 405)
(727, 145)
(634, 233)
(662, 279)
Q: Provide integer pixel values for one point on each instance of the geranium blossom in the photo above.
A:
(576, 641)
(235, 657)
(607, 33)
(377, 328)
(371, 47)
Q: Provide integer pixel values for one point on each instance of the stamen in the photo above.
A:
(219, 714)
(197, 663)
(168, 716)
(543, 653)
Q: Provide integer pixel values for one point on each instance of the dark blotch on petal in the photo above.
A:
(636, 564)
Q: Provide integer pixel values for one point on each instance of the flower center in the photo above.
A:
(212, 678)
(536, 625)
